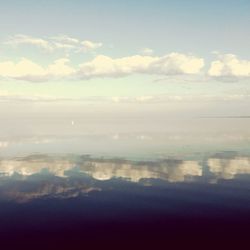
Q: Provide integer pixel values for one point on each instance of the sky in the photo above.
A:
(156, 55)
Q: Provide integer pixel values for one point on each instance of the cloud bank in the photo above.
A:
(227, 67)
(103, 66)
(171, 64)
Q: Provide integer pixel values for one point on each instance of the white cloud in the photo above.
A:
(103, 66)
(89, 45)
(24, 67)
(27, 70)
(65, 39)
(172, 64)
(176, 64)
(66, 46)
(100, 66)
(229, 66)
(147, 52)
(60, 68)
(53, 43)
(24, 39)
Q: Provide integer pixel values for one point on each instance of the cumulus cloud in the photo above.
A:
(229, 67)
(174, 67)
(175, 64)
(24, 67)
(172, 64)
(27, 70)
(60, 68)
(104, 66)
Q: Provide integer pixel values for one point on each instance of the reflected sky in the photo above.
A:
(23, 179)
(133, 138)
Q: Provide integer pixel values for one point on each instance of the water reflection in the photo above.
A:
(101, 169)
(225, 166)
(133, 145)
(66, 176)
(169, 170)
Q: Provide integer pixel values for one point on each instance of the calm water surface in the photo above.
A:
(99, 182)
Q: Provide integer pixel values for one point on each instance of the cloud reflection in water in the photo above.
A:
(68, 176)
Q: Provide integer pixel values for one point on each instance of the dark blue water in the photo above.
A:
(79, 199)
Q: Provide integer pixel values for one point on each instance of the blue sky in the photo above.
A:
(186, 26)
(125, 51)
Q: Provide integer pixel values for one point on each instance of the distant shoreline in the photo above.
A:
(227, 117)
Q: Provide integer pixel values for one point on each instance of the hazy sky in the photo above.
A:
(107, 51)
